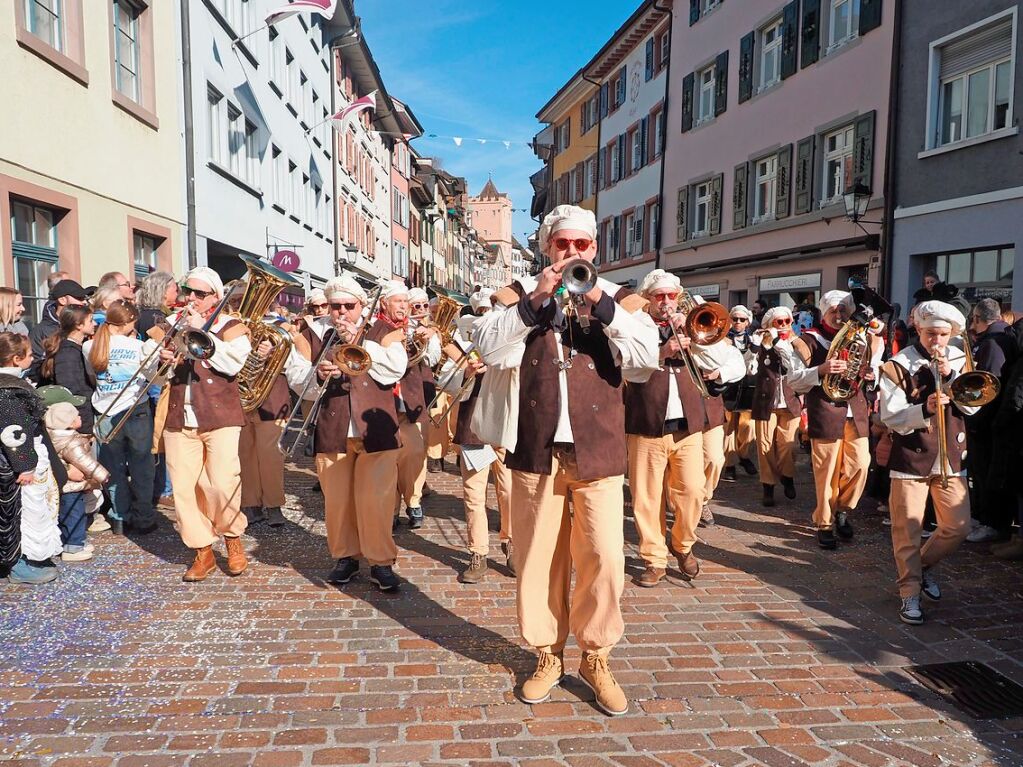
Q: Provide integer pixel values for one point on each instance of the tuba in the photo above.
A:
(849, 344)
(258, 375)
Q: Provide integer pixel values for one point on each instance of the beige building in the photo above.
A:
(91, 168)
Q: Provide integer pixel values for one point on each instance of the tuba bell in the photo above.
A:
(258, 374)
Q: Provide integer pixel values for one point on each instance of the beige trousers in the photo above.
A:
(672, 465)
(438, 438)
(261, 462)
(739, 436)
(906, 501)
(549, 541)
(205, 471)
(474, 490)
(839, 473)
(776, 442)
(359, 490)
(411, 463)
(713, 460)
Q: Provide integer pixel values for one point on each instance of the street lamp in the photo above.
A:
(856, 201)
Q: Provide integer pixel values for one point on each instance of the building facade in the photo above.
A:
(632, 70)
(109, 72)
(958, 195)
(491, 217)
(768, 129)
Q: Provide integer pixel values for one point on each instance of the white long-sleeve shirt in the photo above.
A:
(721, 356)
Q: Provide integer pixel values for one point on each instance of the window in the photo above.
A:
(973, 83)
(709, 5)
(613, 244)
(44, 19)
(215, 111)
(655, 226)
(665, 48)
(34, 246)
(770, 54)
(126, 49)
(701, 219)
(842, 22)
(658, 134)
(291, 89)
(614, 162)
(636, 233)
(236, 13)
(766, 188)
(705, 102)
(636, 143)
(838, 160)
(977, 273)
(146, 250)
(630, 230)
(588, 175)
(276, 60)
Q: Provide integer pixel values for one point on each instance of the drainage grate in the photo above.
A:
(975, 688)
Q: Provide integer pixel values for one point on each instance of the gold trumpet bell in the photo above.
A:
(707, 323)
(975, 388)
(353, 360)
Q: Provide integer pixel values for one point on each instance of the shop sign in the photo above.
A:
(704, 290)
(790, 283)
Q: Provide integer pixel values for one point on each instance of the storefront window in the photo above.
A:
(978, 274)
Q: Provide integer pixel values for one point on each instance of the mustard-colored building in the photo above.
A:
(569, 144)
(91, 166)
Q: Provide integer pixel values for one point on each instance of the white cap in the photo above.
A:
(316, 295)
(659, 279)
(480, 298)
(938, 314)
(566, 217)
(394, 288)
(344, 285)
(834, 298)
(772, 314)
(740, 309)
(207, 275)
(418, 294)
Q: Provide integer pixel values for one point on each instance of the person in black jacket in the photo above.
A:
(1008, 434)
(63, 294)
(66, 365)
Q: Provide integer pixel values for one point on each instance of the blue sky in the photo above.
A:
(482, 70)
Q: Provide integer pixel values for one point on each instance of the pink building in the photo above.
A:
(783, 108)
(401, 208)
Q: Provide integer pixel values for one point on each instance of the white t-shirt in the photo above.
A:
(126, 354)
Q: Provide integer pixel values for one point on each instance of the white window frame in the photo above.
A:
(706, 85)
(55, 30)
(615, 163)
(127, 75)
(665, 48)
(765, 175)
(843, 155)
(706, 6)
(702, 195)
(217, 126)
(613, 239)
(659, 134)
(280, 174)
(636, 143)
(775, 48)
(835, 40)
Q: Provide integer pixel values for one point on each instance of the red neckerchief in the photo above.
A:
(826, 330)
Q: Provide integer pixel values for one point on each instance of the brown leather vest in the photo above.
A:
(596, 410)
(770, 375)
(215, 399)
(277, 404)
(826, 418)
(717, 415)
(464, 435)
(916, 453)
(370, 403)
(646, 404)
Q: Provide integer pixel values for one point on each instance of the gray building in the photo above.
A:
(957, 173)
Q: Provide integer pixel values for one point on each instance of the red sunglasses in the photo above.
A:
(561, 243)
(783, 321)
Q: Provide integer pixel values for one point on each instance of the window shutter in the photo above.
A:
(986, 45)
(739, 196)
(781, 201)
(811, 33)
(716, 185)
(567, 128)
(644, 234)
(601, 170)
(870, 15)
(694, 11)
(863, 151)
(682, 215)
(580, 171)
(688, 84)
(649, 59)
(790, 39)
(746, 46)
(611, 170)
(643, 136)
(623, 237)
(804, 175)
(603, 100)
(622, 164)
(721, 83)
(594, 181)
(651, 135)
(663, 117)
(623, 82)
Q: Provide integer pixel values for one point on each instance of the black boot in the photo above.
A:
(748, 466)
(728, 474)
(768, 499)
(826, 539)
(789, 485)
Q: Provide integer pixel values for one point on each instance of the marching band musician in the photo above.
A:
(665, 420)
(838, 431)
(776, 407)
(439, 435)
(356, 439)
(203, 422)
(554, 401)
(410, 398)
(740, 436)
(909, 402)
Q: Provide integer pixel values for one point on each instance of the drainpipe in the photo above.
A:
(667, 87)
(891, 147)
(186, 78)
(335, 143)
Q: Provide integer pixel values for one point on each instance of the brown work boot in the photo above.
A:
(236, 561)
(651, 576)
(610, 697)
(203, 565)
(688, 564)
(550, 670)
(509, 555)
(476, 571)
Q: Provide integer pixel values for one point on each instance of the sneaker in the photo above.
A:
(415, 517)
(255, 514)
(984, 534)
(508, 548)
(477, 570)
(887, 520)
(927, 530)
(929, 586)
(76, 554)
(32, 573)
(768, 499)
(433, 465)
(826, 539)
(274, 516)
(910, 611)
(344, 570)
(608, 694)
(843, 527)
(550, 670)
(789, 486)
(383, 576)
(706, 516)
(99, 524)
(651, 576)
(748, 466)
(728, 474)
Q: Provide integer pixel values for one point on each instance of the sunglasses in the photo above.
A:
(200, 294)
(420, 306)
(346, 306)
(318, 306)
(562, 243)
(669, 296)
(739, 319)
(783, 321)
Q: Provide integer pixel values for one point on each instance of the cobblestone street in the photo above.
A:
(779, 654)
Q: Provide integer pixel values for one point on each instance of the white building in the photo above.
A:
(262, 143)
(632, 69)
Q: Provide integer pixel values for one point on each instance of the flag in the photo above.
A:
(369, 101)
(323, 7)
(457, 140)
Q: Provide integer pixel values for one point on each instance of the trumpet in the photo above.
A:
(578, 278)
(705, 324)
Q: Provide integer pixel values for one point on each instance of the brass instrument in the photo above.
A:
(939, 416)
(469, 354)
(972, 387)
(578, 278)
(258, 374)
(849, 344)
(706, 324)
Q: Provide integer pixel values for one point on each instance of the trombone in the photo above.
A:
(705, 324)
(467, 355)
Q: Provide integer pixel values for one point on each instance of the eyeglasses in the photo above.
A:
(200, 294)
(317, 306)
(562, 243)
(669, 296)
(783, 321)
(345, 307)
(739, 319)
(420, 306)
